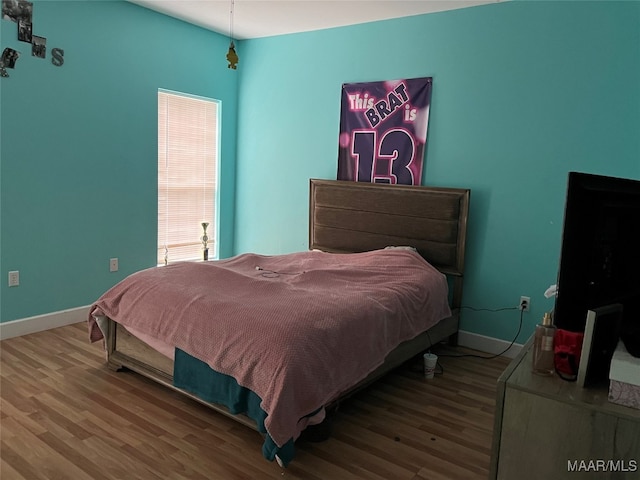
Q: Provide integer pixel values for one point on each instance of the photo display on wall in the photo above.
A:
(21, 13)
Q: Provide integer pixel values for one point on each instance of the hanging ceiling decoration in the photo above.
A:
(232, 56)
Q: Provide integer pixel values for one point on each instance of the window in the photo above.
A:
(188, 137)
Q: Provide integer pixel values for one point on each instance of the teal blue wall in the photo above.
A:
(523, 93)
(79, 146)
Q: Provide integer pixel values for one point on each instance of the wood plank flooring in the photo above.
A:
(64, 415)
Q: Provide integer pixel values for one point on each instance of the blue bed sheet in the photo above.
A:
(197, 377)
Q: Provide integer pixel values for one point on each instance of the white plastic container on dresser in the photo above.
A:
(624, 378)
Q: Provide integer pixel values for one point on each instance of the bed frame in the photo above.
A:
(353, 217)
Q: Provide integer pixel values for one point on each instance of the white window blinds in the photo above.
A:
(187, 175)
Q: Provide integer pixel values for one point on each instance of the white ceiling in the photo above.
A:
(263, 18)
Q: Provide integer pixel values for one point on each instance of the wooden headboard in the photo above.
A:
(349, 216)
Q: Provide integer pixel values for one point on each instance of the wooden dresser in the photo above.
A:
(546, 427)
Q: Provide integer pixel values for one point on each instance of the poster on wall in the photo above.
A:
(383, 130)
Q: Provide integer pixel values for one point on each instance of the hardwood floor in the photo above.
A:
(64, 415)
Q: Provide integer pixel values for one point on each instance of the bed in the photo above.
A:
(349, 224)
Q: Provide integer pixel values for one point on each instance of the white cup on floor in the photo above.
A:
(430, 362)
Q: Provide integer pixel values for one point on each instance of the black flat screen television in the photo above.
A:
(600, 253)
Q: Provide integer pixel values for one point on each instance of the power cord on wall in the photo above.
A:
(489, 357)
(489, 309)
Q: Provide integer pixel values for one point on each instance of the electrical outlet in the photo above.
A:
(113, 265)
(14, 278)
(525, 304)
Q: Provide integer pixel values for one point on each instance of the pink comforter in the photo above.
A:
(296, 329)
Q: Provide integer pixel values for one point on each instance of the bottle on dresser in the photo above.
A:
(543, 347)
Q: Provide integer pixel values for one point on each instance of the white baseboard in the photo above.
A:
(490, 345)
(24, 326)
